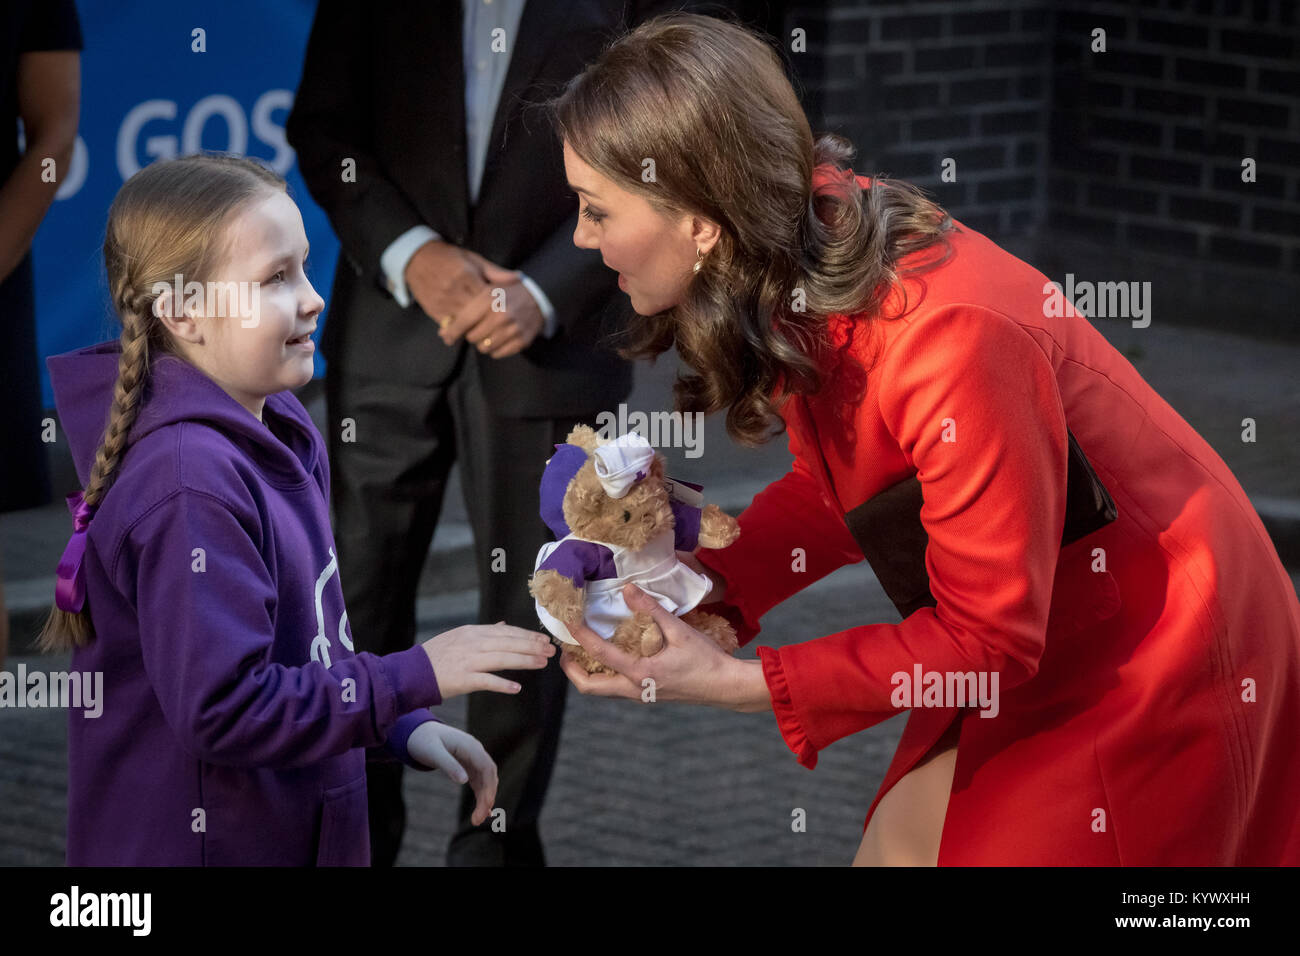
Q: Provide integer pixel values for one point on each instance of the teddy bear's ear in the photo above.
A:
(584, 437)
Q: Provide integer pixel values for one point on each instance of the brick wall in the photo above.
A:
(1118, 165)
(913, 84)
(1148, 138)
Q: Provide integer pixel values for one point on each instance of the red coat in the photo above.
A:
(1127, 732)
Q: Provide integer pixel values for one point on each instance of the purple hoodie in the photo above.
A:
(236, 714)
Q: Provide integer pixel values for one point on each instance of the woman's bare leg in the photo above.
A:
(908, 823)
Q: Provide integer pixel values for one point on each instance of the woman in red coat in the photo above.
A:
(1082, 564)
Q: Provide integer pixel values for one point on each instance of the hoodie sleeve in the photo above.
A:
(394, 747)
(207, 628)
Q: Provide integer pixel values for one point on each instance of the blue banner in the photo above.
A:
(160, 80)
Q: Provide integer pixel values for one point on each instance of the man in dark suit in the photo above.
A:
(464, 325)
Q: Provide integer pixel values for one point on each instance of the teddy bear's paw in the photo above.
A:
(556, 593)
(652, 639)
(637, 635)
(717, 528)
(715, 628)
(586, 661)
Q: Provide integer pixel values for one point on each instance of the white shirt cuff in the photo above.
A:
(549, 325)
(396, 257)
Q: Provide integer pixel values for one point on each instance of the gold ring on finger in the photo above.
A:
(486, 343)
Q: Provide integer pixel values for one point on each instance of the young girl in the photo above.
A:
(201, 578)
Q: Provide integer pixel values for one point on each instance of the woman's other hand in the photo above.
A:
(718, 591)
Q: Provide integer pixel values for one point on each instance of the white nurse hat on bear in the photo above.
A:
(622, 463)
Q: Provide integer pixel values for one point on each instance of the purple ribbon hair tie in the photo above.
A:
(70, 591)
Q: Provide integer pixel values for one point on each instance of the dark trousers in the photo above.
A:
(387, 490)
(25, 475)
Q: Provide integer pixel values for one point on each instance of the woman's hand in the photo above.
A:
(464, 658)
(460, 757)
(689, 667)
(718, 592)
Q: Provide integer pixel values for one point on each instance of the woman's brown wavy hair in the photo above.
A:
(709, 101)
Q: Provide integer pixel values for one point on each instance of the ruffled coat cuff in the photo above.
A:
(787, 720)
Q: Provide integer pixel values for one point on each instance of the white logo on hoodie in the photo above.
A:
(320, 645)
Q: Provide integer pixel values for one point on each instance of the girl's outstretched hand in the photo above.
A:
(459, 756)
(464, 658)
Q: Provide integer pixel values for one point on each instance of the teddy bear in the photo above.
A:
(609, 505)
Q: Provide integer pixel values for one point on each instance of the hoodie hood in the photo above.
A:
(83, 383)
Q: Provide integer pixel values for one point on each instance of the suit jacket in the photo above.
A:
(386, 89)
(1147, 670)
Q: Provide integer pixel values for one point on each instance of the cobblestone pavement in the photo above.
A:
(635, 784)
